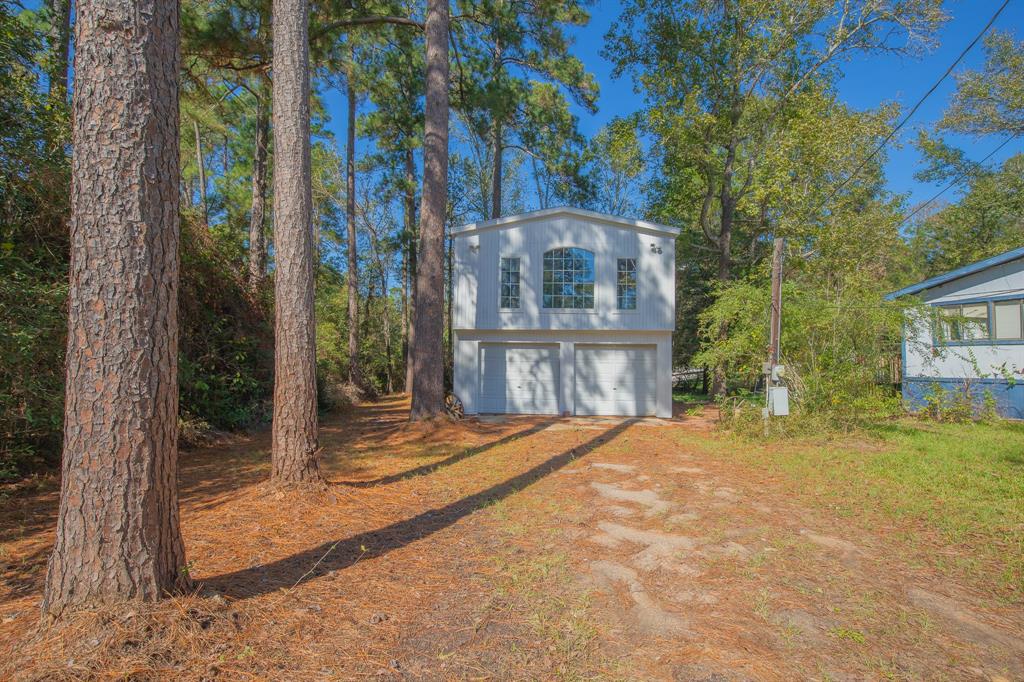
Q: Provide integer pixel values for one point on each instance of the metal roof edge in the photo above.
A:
(966, 270)
(505, 221)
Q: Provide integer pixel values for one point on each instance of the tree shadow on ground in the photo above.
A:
(448, 461)
(329, 557)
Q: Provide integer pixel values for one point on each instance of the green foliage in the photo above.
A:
(987, 219)
(616, 160)
(225, 364)
(840, 337)
(33, 244)
(991, 101)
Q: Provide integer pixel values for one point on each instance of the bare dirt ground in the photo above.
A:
(522, 548)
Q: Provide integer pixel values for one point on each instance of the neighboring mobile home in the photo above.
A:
(564, 311)
(974, 340)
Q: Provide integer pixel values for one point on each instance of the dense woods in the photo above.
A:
(223, 262)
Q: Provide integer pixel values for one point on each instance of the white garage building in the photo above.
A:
(564, 311)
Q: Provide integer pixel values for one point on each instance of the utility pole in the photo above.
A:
(776, 396)
(776, 313)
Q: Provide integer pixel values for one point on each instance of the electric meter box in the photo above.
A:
(778, 401)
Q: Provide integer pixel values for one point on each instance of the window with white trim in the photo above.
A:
(625, 284)
(509, 283)
(568, 278)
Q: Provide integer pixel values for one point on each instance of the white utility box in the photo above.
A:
(778, 401)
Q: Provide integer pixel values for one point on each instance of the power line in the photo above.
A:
(955, 181)
(917, 105)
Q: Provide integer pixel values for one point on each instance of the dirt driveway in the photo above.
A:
(517, 549)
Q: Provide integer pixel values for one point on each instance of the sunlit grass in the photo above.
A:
(965, 481)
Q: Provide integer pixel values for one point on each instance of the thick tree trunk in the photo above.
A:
(59, 45)
(411, 245)
(497, 150)
(118, 533)
(257, 215)
(201, 166)
(350, 217)
(428, 364)
(294, 456)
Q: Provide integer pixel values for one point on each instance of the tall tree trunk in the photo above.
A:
(350, 216)
(410, 245)
(428, 365)
(118, 533)
(257, 217)
(497, 149)
(59, 39)
(728, 214)
(294, 457)
(201, 166)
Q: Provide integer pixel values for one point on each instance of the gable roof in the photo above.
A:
(958, 273)
(594, 216)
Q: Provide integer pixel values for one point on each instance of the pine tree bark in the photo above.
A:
(410, 260)
(257, 214)
(59, 40)
(497, 151)
(294, 456)
(118, 534)
(428, 365)
(350, 217)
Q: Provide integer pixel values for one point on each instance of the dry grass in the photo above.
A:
(464, 551)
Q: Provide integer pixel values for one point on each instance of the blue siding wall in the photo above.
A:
(1009, 398)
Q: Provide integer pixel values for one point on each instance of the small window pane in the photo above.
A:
(1007, 319)
(509, 279)
(975, 320)
(949, 323)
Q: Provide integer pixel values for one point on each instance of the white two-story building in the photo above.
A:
(564, 311)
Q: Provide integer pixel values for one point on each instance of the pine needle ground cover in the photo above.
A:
(530, 548)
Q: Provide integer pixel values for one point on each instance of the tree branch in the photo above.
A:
(374, 20)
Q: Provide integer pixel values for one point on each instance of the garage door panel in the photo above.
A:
(519, 379)
(615, 380)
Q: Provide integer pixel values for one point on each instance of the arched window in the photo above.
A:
(568, 278)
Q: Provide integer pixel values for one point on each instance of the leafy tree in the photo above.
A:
(720, 79)
(990, 101)
(987, 220)
(512, 70)
(617, 161)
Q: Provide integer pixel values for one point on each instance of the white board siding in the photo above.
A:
(616, 380)
(476, 264)
(519, 379)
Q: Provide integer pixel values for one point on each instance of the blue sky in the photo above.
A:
(867, 82)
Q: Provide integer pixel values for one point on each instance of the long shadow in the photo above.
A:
(335, 556)
(448, 461)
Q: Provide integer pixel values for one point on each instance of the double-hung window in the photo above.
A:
(625, 287)
(568, 278)
(509, 283)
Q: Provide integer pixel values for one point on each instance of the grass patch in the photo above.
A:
(965, 481)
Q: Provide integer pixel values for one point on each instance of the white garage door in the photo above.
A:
(519, 379)
(616, 380)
